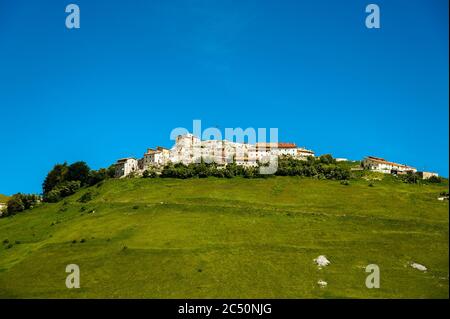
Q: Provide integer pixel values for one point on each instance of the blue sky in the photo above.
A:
(137, 69)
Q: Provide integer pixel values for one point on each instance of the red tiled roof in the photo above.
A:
(383, 161)
(276, 145)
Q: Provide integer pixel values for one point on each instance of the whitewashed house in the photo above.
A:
(126, 166)
(246, 161)
(187, 149)
(304, 153)
(264, 150)
(427, 175)
(379, 164)
(156, 157)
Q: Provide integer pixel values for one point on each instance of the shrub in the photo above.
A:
(86, 197)
(62, 190)
(149, 173)
(411, 178)
(96, 177)
(434, 179)
(20, 202)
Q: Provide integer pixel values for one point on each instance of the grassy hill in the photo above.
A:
(3, 198)
(241, 238)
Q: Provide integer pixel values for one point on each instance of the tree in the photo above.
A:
(97, 176)
(20, 202)
(434, 179)
(15, 205)
(62, 190)
(327, 159)
(54, 177)
(78, 171)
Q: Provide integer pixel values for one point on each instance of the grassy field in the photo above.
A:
(236, 238)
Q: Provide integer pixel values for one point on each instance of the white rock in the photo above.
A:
(322, 283)
(322, 261)
(418, 267)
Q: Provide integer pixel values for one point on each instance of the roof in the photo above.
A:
(304, 150)
(150, 151)
(276, 145)
(383, 161)
(125, 159)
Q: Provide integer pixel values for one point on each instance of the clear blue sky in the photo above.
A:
(137, 69)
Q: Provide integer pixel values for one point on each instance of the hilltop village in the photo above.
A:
(190, 149)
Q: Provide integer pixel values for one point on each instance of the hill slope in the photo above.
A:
(166, 238)
(3, 198)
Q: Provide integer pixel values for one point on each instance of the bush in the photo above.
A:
(20, 202)
(149, 173)
(322, 168)
(86, 197)
(411, 178)
(62, 190)
(96, 177)
(434, 179)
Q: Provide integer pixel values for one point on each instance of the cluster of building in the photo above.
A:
(381, 165)
(190, 149)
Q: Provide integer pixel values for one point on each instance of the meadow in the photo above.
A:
(231, 238)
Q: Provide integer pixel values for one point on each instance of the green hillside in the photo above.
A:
(231, 238)
(3, 198)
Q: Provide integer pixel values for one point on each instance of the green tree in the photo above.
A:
(54, 177)
(78, 171)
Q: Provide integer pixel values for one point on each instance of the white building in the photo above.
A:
(427, 175)
(304, 153)
(264, 150)
(246, 162)
(126, 166)
(155, 157)
(187, 149)
(381, 165)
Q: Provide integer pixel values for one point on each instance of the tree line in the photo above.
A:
(324, 167)
(63, 180)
